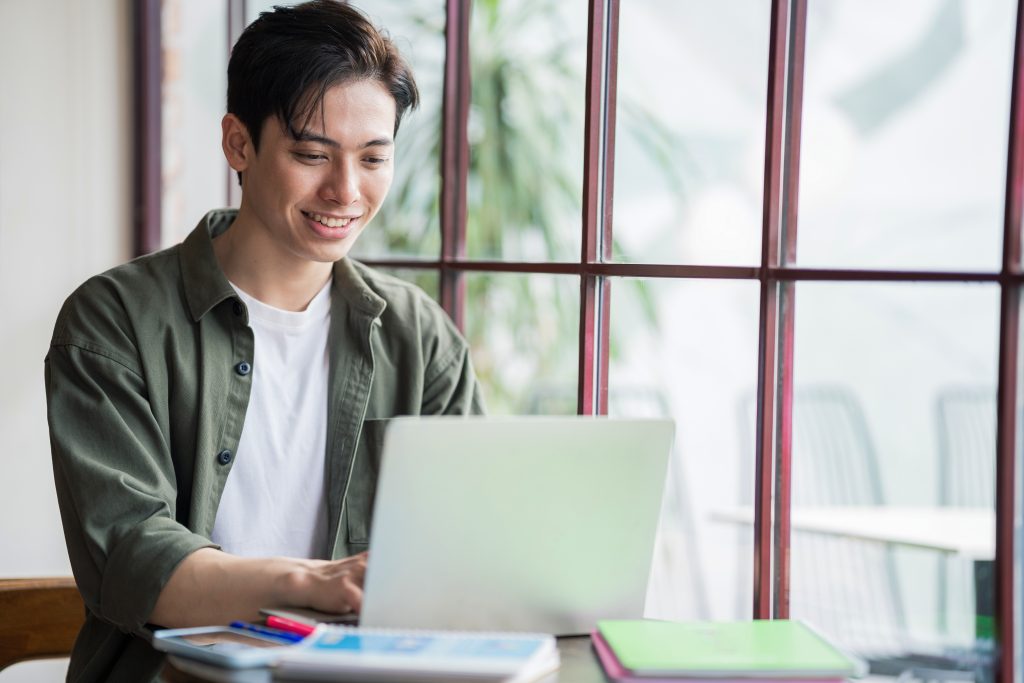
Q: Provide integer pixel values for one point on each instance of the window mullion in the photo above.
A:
(148, 69)
(787, 240)
(1007, 406)
(775, 339)
(454, 157)
(595, 291)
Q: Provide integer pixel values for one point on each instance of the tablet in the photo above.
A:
(224, 646)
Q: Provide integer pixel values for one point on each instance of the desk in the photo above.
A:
(579, 665)
(968, 532)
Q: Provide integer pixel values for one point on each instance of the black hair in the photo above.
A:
(288, 58)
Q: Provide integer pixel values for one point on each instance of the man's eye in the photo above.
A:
(306, 156)
(376, 160)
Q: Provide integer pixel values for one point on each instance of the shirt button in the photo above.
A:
(243, 368)
(224, 457)
(237, 308)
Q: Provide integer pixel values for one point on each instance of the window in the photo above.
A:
(795, 227)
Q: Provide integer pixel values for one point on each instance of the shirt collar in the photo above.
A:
(349, 283)
(206, 285)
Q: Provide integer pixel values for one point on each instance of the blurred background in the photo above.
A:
(902, 167)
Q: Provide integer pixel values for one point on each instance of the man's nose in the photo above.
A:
(342, 187)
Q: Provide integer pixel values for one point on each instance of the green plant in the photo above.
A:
(524, 195)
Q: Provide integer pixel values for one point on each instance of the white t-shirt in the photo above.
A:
(274, 500)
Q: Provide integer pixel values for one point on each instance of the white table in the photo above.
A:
(968, 532)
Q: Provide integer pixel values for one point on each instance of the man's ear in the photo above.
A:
(236, 142)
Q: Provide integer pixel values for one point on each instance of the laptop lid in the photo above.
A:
(541, 524)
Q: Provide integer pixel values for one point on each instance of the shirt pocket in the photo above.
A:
(362, 487)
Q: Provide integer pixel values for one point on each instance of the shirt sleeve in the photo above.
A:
(450, 384)
(115, 482)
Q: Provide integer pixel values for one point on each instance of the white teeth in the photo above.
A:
(329, 222)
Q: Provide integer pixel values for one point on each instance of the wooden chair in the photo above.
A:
(41, 618)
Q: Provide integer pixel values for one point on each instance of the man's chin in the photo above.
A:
(330, 254)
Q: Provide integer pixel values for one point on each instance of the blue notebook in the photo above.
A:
(355, 653)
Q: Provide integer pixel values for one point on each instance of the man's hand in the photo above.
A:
(214, 587)
(330, 585)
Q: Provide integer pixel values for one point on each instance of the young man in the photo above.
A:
(216, 409)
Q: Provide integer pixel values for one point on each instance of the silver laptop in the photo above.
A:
(539, 524)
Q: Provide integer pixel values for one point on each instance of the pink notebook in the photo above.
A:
(611, 664)
(620, 674)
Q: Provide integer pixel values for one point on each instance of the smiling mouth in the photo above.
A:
(327, 221)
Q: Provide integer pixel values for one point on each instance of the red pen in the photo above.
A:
(290, 625)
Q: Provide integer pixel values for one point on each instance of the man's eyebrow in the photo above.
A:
(306, 136)
(379, 142)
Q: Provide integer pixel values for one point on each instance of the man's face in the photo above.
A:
(313, 196)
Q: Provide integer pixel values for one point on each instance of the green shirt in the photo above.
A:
(146, 404)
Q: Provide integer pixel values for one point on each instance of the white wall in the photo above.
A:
(65, 210)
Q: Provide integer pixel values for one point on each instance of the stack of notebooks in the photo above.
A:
(251, 654)
(342, 653)
(645, 651)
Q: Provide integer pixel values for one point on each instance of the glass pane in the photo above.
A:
(905, 125)
(687, 349)
(194, 84)
(409, 222)
(689, 133)
(893, 520)
(426, 279)
(525, 184)
(524, 334)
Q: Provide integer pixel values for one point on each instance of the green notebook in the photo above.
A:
(742, 649)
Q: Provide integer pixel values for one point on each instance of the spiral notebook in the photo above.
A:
(343, 653)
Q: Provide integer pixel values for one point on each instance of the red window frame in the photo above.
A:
(775, 274)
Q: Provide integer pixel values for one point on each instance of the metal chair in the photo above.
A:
(847, 587)
(41, 619)
(850, 587)
(965, 418)
(966, 421)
